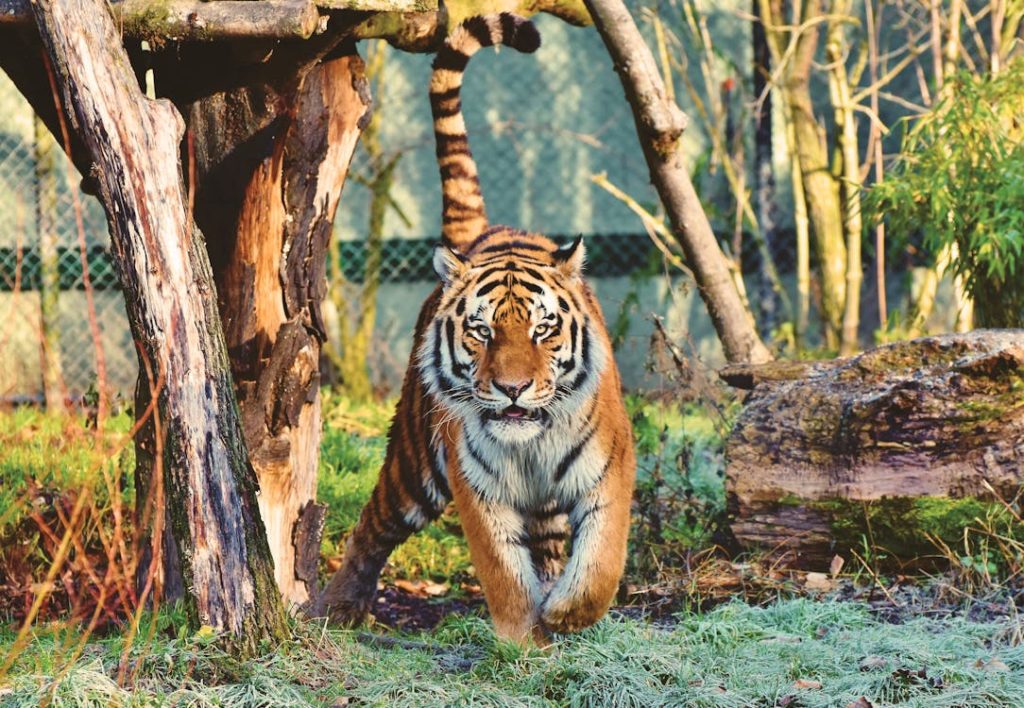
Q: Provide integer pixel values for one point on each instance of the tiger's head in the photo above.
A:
(513, 345)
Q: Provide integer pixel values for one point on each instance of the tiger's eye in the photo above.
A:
(482, 331)
(540, 330)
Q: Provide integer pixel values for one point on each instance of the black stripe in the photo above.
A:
(414, 479)
(405, 454)
(446, 110)
(584, 363)
(509, 27)
(458, 368)
(562, 304)
(531, 286)
(457, 170)
(489, 287)
(488, 273)
(491, 231)
(450, 58)
(446, 383)
(460, 306)
(572, 456)
(396, 515)
(539, 554)
(616, 450)
(478, 459)
(574, 335)
(447, 95)
(548, 513)
(451, 144)
(548, 536)
(480, 31)
(437, 475)
(521, 259)
(586, 515)
(509, 245)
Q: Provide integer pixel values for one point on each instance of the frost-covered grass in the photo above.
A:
(794, 652)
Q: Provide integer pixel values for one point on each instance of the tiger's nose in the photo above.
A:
(512, 389)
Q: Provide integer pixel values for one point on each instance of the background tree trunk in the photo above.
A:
(660, 124)
(270, 162)
(169, 295)
(770, 304)
(819, 446)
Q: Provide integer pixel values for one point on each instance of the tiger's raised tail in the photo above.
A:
(464, 216)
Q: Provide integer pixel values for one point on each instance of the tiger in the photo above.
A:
(511, 406)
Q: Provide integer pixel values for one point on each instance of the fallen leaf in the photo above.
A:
(340, 702)
(870, 663)
(436, 589)
(334, 564)
(786, 701)
(861, 702)
(818, 581)
(806, 683)
(992, 664)
(413, 588)
(836, 565)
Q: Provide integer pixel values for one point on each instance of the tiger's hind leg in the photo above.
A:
(411, 492)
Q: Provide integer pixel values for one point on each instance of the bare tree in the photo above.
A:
(660, 123)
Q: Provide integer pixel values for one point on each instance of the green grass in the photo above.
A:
(736, 655)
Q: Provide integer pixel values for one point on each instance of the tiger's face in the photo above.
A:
(511, 345)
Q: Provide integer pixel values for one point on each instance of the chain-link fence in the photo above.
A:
(541, 127)
(60, 310)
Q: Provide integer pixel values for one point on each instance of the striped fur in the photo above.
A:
(463, 214)
(512, 408)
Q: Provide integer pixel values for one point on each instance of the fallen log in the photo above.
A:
(902, 441)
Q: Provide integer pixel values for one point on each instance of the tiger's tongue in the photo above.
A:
(514, 412)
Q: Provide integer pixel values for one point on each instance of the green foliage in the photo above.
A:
(959, 181)
(680, 488)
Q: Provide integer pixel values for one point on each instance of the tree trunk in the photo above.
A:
(827, 454)
(271, 160)
(770, 302)
(168, 285)
(660, 124)
(820, 189)
(844, 110)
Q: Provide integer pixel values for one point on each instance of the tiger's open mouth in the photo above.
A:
(516, 414)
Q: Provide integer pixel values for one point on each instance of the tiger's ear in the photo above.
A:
(448, 264)
(570, 259)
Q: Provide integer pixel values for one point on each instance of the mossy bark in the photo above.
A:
(165, 272)
(820, 445)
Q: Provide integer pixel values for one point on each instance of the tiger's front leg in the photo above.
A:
(496, 534)
(600, 529)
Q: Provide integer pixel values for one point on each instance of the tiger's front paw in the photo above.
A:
(565, 614)
(349, 613)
